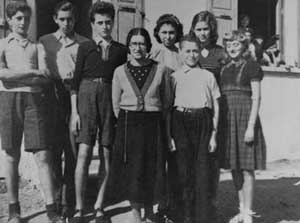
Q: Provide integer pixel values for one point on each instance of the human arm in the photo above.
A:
(116, 92)
(75, 82)
(28, 76)
(215, 119)
(256, 98)
(213, 138)
(79, 69)
(167, 100)
(75, 118)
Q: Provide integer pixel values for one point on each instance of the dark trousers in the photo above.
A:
(191, 131)
(64, 161)
(172, 191)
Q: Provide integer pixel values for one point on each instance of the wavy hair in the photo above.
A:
(210, 19)
(236, 35)
(168, 19)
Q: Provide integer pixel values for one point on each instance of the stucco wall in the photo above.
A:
(280, 115)
(290, 30)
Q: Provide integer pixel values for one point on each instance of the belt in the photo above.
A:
(98, 80)
(188, 110)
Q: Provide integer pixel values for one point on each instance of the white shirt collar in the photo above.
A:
(99, 40)
(186, 68)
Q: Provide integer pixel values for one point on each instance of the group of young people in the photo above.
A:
(167, 119)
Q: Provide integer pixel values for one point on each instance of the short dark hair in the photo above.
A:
(101, 7)
(168, 19)
(65, 6)
(189, 38)
(14, 6)
(139, 31)
(210, 19)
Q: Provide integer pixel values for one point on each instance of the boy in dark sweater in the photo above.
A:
(91, 100)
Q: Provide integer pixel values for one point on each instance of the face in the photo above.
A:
(245, 21)
(248, 36)
(190, 53)
(234, 49)
(103, 25)
(202, 31)
(138, 47)
(65, 21)
(167, 35)
(19, 23)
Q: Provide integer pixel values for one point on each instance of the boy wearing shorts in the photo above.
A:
(61, 51)
(23, 110)
(92, 103)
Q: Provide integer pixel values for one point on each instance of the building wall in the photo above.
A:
(280, 114)
(290, 34)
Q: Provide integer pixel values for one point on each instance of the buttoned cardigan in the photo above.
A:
(155, 95)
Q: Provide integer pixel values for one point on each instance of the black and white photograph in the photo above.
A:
(149, 111)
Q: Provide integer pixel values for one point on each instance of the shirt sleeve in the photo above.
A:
(255, 71)
(215, 91)
(78, 70)
(2, 55)
(42, 64)
(166, 89)
(116, 92)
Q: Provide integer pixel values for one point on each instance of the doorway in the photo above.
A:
(262, 16)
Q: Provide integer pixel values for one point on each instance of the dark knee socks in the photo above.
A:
(51, 210)
(14, 210)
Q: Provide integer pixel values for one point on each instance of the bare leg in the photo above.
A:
(81, 173)
(99, 202)
(74, 145)
(238, 180)
(248, 190)
(43, 160)
(12, 160)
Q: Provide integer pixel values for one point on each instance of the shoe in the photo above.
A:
(79, 218)
(163, 217)
(67, 212)
(56, 219)
(238, 218)
(101, 218)
(14, 213)
(248, 216)
(148, 220)
(14, 219)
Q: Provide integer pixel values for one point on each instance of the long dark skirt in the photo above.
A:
(137, 167)
(235, 112)
(191, 132)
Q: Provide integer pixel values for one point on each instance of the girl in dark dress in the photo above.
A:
(141, 95)
(204, 26)
(240, 127)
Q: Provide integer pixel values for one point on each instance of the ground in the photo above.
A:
(277, 198)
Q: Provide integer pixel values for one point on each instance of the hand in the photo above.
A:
(75, 123)
(171, 145)
(212, 143)
(40, 72)
(249, 135)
